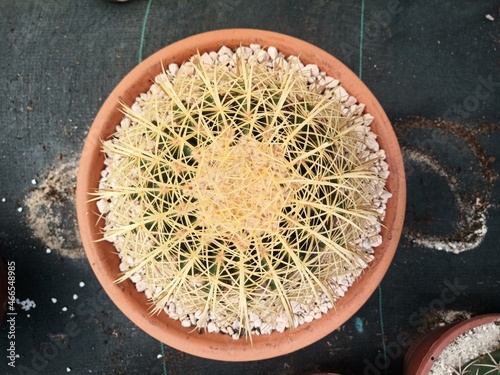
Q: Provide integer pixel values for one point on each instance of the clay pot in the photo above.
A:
(102, 255)
(427, 348)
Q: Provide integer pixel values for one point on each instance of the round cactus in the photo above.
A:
(240, 190)
(486, 364)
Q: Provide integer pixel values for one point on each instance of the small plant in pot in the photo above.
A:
(245, 193)
(471, 346)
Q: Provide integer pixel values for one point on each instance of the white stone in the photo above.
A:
(273, 52)
(309, 318)
(207, 59)
(262, 56)
(331, 82)
(280, 327)
(212, 327)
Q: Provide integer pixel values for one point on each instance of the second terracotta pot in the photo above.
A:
(426, 349)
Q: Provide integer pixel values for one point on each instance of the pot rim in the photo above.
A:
(102, 256)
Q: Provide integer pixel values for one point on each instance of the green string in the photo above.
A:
(361, 32)
(360, 75)
(143, 30)
(163, 358)
(141, 47)
(382, 330)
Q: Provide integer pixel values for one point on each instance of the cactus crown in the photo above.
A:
(238, 191)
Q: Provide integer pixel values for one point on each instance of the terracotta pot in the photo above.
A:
(105, 262)
(426, 349)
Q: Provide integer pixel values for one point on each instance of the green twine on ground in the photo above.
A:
(163, 358)
(143, 30)
(382, 329)
(360, 75)
(141, 47)
(361, 32)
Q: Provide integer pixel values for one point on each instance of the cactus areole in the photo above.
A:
(244, 193)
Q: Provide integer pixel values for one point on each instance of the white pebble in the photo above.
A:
(246, 51)
(489, 17)
(255, 47)
(376, 240)
(350, 101)
(3, 199)
(64, 308)
(372, 144)
(262, 56)
(281, 319)
(159, 356)
(188, 70)
(136, 108)
(192, 319)
(141, 286)
(75, 296)
(212, 327)
(280, 327)
(82, 284)
(225, 51)
(124, 266)
(54, 300)
(273, 52)
(331, 82)
(295, 307)
(367, 119)
(213, 55)
(384, 174)
(20, 209)
(207, 59)
(341, 93)
(252, 316)
(136, 277)
(68, 369)
(340, 292)
(33, 182)
(312, 69)
(102, 206)
(48, 251)
(186, 323)
(224, 59)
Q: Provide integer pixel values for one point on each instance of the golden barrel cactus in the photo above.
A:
(240, 190)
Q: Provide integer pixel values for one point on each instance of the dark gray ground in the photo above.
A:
(60, 59)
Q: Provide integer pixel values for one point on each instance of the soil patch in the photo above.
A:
(51, 208)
